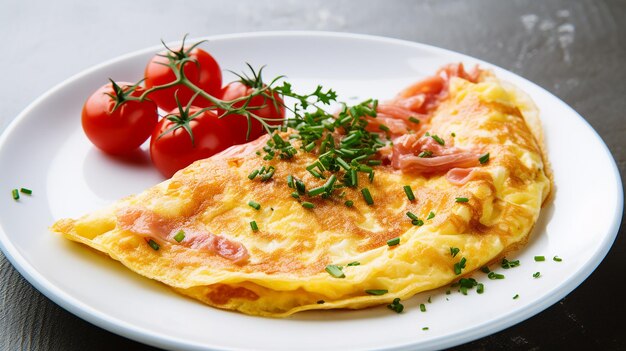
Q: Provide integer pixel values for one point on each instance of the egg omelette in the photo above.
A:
(463, 169)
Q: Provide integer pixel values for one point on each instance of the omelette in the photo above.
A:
(454, 177)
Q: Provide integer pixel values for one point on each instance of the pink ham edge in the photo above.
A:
(242, 149)
(149, 224)
(460, 176)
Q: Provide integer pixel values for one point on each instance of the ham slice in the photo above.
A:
(460, 176)
(407, 148)
(152, 225)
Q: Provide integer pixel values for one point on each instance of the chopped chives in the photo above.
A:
(480, 288)
(377, 292)
(393, 242)
(506, 264)
(371, 176)
(537, 275)
(315, 173)
(396, 306)
(15, 194)
(431, 215)
(374, 162)
(414, 120)
(425, 153)
(438, 139)
(354, 180)
(309, 146)
(516, 296)
(254, 226)
(557, 259)
(540, 258)
(367, 196)
(494, 275)
(300, 186)
(26, 191)
(290, 182)
(461, 199)
(328, 186)
(254, 205)
(153, 244)
(384, 128)
(485, 269)
(429, 299)
(335, 271)
(458, 267)
(308, 205)
(425, 328)
(417, 222)
(454, 251)
(317, 191)
(409, 192)
(422, 307)
(295, 195)
(253, 174)
(349, 203)
(267, 176)
(179, 236)
(355, 263)
(411, 215)
(343, 164)
(484, 159)
(453, 134)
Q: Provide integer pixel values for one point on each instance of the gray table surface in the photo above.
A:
(574, 49)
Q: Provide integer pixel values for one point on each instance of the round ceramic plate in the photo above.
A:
(45, 149)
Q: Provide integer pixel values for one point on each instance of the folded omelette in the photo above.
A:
(459, 183)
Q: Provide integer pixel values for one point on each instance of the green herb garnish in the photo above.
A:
(367, 196)
(393, 242)
(335, 271)
(179, 236)
(26, 191)
(153, 244)
(484, 159)
(438, 139)
(409, 192)
(506, 264)
(494, 275)
(459, 266)
(396, 306)
(377, 292)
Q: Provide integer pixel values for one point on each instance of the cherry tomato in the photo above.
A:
(273, 111)
(204, 73)
(116, 125)
(172, 150)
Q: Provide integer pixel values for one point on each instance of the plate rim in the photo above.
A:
(146, 336)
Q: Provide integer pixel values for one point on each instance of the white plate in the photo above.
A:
(45, 149)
